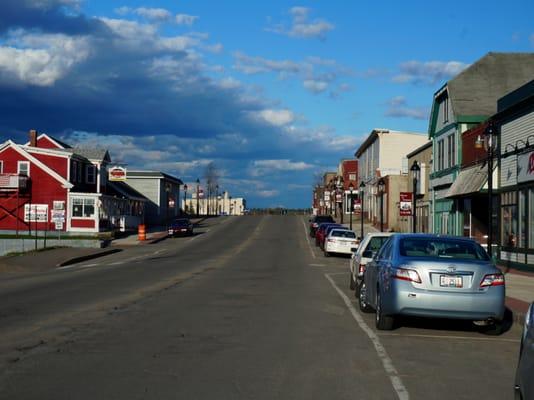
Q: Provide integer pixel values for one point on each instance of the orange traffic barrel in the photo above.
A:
(141, 232)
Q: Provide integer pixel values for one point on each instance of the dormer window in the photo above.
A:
(90, 174)
(445, 110)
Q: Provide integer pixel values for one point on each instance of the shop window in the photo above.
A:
(509, 219)
(531, 220)
(522, 239)
(83, 208)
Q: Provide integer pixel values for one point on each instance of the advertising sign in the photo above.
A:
(327, 195)
(35, 212)
(339, 197)
(405, 205)
(357, 206)
(525, 167)
(57, 216)
(117, 174)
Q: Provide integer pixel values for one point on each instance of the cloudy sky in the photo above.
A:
(271, 92)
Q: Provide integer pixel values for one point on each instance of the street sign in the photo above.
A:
(58, 226)
(339, 198)
(117, 174)
(405, 204)
(357, 206)
(35, 212)
(58, 216)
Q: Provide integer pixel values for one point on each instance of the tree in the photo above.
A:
(211, 176)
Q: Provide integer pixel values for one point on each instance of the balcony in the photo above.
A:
(9, 182)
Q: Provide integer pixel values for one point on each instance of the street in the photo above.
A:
(247, 308)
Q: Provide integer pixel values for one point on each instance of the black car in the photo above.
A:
(180, 226)
(317, 220)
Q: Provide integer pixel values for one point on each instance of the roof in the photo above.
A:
(153, 174)
(522, 94)
(420, 149)
(124, 190)
(374, 134)
(58, 142)
(91, 153)
(470, 180)
(475, 91)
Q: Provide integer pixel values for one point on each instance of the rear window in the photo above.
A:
(442, 248)
(324, 218)
(376, 243)
(343, 234)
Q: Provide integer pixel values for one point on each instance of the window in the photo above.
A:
(446, 110)
(530, 223)
(441, 155)
(23, 168)
(509, 219)
(442, 248)
(74, 172)
(90, 174)
(79, 176)
(450, 151)
(376, 242)
(522, 218)
(1, 167)
(83, 208)
(352, 177)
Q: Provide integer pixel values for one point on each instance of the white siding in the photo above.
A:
(394, 147)
(511, 132)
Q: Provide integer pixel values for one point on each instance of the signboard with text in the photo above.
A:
(35, 212)
(357, 206)
(405, 204)
(525, 167)
(117, 174)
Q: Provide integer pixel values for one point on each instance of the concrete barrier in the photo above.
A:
(23, 245)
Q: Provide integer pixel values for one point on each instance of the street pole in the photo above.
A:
(414, 213)
(490, 192)
(198, 189)
(361, 194)
(382, 212)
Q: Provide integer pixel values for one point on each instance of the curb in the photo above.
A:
(87, 257)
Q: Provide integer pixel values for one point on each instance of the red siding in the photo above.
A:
(44, 190)
(470, 154)
(82, 223)
(350, 167)
(46, 143)
(58, 164)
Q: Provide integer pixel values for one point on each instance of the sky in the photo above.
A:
(273, 93)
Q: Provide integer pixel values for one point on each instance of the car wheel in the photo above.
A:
(352, 284)
(494, 328)
(361, 294)
(326, 254)
(383, 322)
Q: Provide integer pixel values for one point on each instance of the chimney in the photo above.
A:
(33, 138)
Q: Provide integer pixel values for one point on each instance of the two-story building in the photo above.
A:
(383, 155)
(461, 104)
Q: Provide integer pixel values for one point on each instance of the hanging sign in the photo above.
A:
(525, 167)
(405, 205)
(117, 174)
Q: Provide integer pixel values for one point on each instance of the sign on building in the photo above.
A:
(117, 174)
(405, 205)
(35, 212)
(58, 216)
(525, 167)
(326, 195)
(358, 206)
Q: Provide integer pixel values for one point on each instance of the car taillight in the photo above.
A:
(361, 270)
(315, 225)
(492, 280)
(403, 274)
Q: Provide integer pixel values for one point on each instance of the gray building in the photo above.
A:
(161, 190)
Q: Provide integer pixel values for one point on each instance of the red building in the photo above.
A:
(46, 185)
(348, 169)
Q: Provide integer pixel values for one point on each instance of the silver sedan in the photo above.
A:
(433, 276)
(524, 386)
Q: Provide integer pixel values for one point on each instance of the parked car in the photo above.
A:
(340, 241)
(367, 249)
(318, 219)
(433, 276)
(320, 234)
(180, 226)
(524, 386)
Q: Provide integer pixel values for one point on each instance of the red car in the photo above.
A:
(320, 232)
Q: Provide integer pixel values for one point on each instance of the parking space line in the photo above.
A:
(478, 339)
(308, 239)
(116, 263)
(387, 362)
(317, 265)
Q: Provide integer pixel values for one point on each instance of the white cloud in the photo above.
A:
(275, 117)
(302, 27)
(129, 29)
(253, 65)
(184, 19)
(398, 107)
(267, 193)
(281, 165)
(430, 72)
(229, 83)
(315, 86)
(154, 14)
(42, 59)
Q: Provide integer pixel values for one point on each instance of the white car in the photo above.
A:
(369, 246)
(340, 241)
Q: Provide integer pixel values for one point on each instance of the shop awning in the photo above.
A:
(470, 180)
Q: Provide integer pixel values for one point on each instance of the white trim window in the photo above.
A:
(83, 207)
(90, 174)
(23, 168)
(1, 166)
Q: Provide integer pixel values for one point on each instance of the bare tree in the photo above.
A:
(211, 176)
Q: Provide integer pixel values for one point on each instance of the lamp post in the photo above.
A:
(490, 143)
(351, 205)
(185, 199)
(416, 171)
(217, 200)
(339, 192)
(362, 187)
(381, 190)
(198, 191)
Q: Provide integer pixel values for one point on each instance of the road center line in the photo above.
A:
(391, 371)
(308, 239)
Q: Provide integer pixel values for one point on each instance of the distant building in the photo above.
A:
(224, 204)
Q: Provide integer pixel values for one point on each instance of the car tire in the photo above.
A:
(383, 322)
(495, 328)
(326, 254)
(352, 284)
(361, 294)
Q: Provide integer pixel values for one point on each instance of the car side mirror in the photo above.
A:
(368, 254)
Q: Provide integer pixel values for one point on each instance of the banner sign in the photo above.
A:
(327, 196)
(405, 206)
(117, 174)
(525, 167)
(35, 212)
(339, 198)
(358, 206)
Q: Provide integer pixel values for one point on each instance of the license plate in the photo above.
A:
(451, 281)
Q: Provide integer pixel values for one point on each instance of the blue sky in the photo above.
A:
(271, 92)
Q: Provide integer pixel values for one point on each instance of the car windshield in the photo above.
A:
(343, 233)
(324, 219)
(181, 222)
(376, 242)
(442, 248)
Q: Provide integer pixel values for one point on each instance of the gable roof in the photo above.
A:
(19, 149)
(57, 142)
(92, 153)
(475, 91)
(153, 174)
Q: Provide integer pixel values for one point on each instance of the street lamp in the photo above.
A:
(198, 190)
(351, 205)
(416, 172)
(381, 190)
(490, 143)
(339, 187)
(362, 187)
(217, 200)
(185, 198)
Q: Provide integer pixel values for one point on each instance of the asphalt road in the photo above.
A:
(246, 309)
